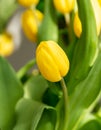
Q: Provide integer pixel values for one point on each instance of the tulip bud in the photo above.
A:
(64, 6)
(28, 3)
(6, 44)
(52, 61)
(30, 22)
(77, 25)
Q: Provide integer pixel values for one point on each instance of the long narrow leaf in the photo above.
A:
(10, 92)
(85, 93)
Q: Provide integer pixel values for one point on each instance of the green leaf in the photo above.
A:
(85, 93)
(10, 92)
(86, 49)
(35, 87)
(48, 120)
(7, 8)
(92, 123)
(33, 115)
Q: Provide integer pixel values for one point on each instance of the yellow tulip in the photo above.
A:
(6, 44)
(64, 6)
(30, 22)
(77, 25)
(28, 3)
(52, 61)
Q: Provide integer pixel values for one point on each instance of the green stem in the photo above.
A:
(25, 68)
(66, 99)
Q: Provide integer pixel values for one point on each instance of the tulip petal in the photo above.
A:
(44, 61)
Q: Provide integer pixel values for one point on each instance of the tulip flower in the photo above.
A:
(6, 44)
(64, 6)
(52, 61)
(77, 25)
(30, 22)
(28, 3)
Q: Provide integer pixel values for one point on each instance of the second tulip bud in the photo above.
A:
(30, 22)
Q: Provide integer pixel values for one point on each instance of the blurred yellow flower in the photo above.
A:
(28, 3)
(64, 6)
(6, 44)
(52, 61)
(77, 25)
(31, 19)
